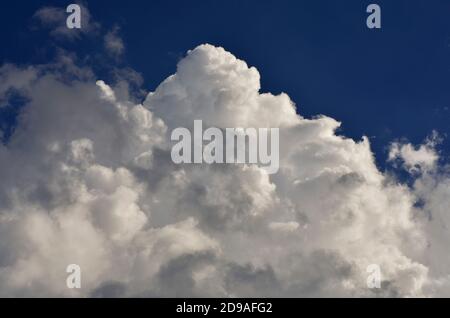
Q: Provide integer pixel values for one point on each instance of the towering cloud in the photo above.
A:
(87, 179)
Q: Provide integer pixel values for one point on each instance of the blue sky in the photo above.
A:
(387, 84)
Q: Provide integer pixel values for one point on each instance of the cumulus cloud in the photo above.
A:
(88, 180)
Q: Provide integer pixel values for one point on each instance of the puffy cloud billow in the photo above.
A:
(87, 179)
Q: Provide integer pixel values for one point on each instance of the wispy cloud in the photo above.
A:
(54, 19)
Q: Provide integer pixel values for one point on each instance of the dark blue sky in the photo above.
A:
(386, 84)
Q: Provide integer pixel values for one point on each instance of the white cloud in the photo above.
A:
(88, 180)
(416, 159)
